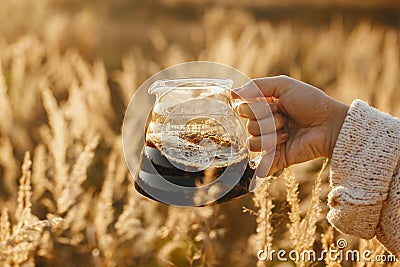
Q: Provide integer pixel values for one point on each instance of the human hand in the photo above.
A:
(310, 119)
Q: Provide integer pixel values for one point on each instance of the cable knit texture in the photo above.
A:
(365, 178)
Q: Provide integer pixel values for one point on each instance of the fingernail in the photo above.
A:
(273, 107)
(283, 135)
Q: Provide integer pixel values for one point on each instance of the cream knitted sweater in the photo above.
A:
(365, 177)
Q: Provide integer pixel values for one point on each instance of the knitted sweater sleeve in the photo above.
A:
(365, 177)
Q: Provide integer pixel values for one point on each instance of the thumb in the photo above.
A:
(263, 87)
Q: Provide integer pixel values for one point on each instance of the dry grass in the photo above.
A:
(75, 206)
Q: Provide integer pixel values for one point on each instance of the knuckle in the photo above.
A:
(283, 77)
(256, 80)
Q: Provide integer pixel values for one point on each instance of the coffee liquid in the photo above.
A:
(155, 167)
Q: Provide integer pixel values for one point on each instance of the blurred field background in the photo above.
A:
(68, 70)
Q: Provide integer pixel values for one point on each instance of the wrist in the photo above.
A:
(338, 118)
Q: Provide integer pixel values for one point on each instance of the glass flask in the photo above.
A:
(195, 151)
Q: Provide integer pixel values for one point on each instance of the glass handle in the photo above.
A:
(256, 161)
(256, 181)
(236, 103)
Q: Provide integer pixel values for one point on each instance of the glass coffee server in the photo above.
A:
(195, 151)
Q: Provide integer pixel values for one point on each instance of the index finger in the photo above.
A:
(262, 87)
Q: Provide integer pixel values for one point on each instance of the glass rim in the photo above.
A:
(199, 82)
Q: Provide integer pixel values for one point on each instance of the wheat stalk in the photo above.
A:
(302, 231)
(264, 231)
(18, 241)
